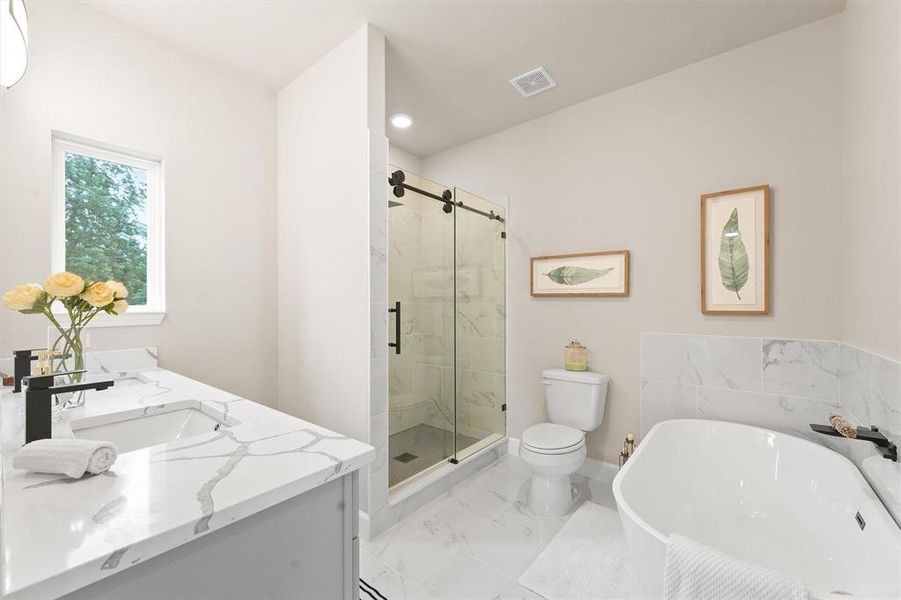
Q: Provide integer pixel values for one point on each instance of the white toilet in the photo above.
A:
(555, 450)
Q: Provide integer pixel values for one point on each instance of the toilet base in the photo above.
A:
(550, 495)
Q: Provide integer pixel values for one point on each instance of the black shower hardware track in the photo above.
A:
(396, 343)
(396, 180)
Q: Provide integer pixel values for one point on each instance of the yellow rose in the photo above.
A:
(63, 285)
(99, 294)
(120, 306)
(23, 297)
(119, 288)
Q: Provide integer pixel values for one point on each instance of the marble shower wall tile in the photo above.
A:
(713, 361)
(808, 368)
(378, 432)
(378, 337)
(476, 320)
(374, 491)
(378, 386)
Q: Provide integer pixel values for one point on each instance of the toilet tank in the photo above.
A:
(575, 398)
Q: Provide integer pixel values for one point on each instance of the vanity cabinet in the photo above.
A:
(306, 547)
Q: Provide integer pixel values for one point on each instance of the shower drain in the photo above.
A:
(405, 457)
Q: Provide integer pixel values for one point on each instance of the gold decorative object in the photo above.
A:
(576, 357)
(628, 449)
(842, 426)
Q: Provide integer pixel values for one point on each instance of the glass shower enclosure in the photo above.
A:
(447, 305)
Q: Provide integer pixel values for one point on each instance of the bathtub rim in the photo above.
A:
(624, 506)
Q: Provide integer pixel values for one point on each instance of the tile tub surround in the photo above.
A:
(60, 534)
(778, 384)
(871, 393)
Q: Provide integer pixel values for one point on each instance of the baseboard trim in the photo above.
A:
(592, 467)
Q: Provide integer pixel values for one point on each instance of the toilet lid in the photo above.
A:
(551, 437)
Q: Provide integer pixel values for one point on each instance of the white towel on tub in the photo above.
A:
(695, 572)
(66, 456)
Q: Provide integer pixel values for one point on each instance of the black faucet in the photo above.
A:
(884, 446)
(38, 392)
(22, 360)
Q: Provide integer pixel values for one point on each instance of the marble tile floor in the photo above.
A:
(427, 444)
(471, 543)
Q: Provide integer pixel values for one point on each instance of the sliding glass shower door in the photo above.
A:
(421, 420)
(479, 328)
(446, 326)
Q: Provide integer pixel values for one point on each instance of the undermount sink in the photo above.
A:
(141, 428)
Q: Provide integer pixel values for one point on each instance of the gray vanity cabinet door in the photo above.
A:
(304, 548)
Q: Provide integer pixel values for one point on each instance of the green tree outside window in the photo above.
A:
(106, 223)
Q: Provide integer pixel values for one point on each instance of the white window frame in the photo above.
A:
(153, 312)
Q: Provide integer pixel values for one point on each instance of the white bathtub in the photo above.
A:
(761, 496)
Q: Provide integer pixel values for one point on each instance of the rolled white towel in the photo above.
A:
(69, 457)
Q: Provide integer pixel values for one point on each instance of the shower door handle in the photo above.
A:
(396, 343)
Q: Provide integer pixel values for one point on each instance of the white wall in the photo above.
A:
(402, 159)
(871, 207)
(92, 76)
(626, 170)
(324, 120)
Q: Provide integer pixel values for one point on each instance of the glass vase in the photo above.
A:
(67, 354)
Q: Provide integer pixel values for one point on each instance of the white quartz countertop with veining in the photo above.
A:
(60, 534)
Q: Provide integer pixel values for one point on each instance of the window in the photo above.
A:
(107, 222)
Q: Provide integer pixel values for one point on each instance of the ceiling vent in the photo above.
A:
(533, 82)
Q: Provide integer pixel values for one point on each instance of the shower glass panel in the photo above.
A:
(480, 322)
(421, 376)
(446, 327)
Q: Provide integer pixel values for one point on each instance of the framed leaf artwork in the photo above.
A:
(587, 274)
(735, 252)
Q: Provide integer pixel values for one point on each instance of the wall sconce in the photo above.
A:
(13, 41)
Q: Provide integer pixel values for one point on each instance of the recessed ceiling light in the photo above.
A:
(401, 120)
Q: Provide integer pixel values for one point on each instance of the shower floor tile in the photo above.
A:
(426, 445)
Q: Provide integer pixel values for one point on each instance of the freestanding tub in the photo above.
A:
(764, 497)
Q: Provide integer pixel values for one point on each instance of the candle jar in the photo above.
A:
(576, 357)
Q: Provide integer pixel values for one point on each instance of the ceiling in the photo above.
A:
(449, 62)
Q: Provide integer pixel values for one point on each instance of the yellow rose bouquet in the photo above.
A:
(82, 300)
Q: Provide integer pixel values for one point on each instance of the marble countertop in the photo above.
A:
(60, 534)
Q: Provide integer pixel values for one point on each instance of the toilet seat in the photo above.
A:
(552, 438)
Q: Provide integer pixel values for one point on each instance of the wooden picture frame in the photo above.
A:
(586, 274)
(735, 252)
